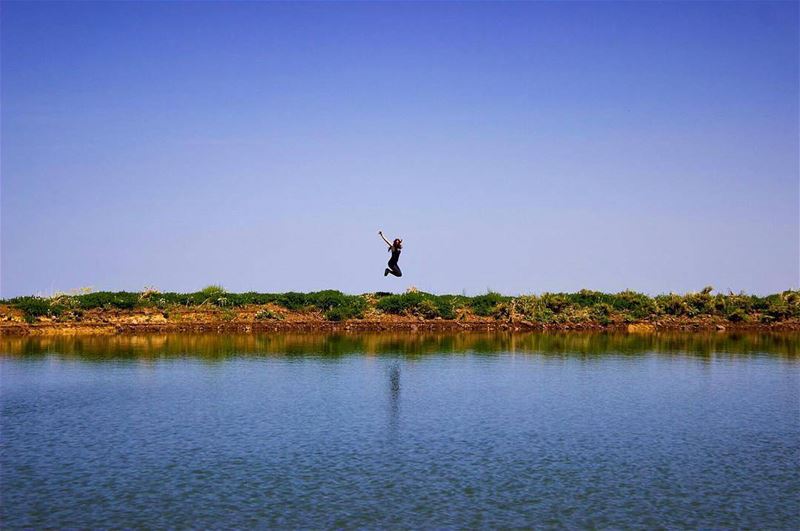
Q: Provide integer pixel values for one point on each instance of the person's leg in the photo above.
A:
(393, 269)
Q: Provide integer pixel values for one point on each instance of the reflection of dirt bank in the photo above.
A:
(213, 346)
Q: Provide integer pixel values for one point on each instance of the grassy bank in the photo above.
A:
(583, 307)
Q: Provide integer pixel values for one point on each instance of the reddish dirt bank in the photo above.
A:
(244, 320)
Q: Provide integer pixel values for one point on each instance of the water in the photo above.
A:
(407, 431)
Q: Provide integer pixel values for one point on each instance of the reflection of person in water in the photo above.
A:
(394, 379)
(394, 248)
(394, 396)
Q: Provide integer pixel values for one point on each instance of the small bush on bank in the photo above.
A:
(447, 305)
(486, 305)
(215, 295)
(251, 297)
(293, 300)
(671, 305)
(421, 304)
(334, 304)
(122, 300)
(267, 315)
(427, 309)
(400, 304)
(31, 307)
(342, 313)
(532, 308)
(736, 315)
(213, 291)
(602, 312)
(633, 304)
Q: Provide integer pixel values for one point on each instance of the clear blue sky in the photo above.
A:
(522, 147)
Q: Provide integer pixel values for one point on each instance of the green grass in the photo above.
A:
(581, 307)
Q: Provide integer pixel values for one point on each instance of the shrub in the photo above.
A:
(56, 310)
(533, 309)
(504, 310)
(31, 307)
(400, 304)
(590, 298)
(555, 302)
(293, 300)
(265, 315)
(251, 297)
(342, 313)
(737, 306)
(637, 305)
(602, 313)
(427, 309)
(486, 305)
(671, 304)
(213, 294)
(419, 303)
(698, 304)
(212, 291)
(446, 306)
(782, 305)
(736, 315)
(335, 305)
(328, 299)
(149, 293)
(123, 300)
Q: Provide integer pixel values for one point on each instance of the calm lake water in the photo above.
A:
(405, 431)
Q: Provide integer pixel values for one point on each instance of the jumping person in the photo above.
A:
(394, 247)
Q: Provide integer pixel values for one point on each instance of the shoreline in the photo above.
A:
(133, 324)
(213, 310)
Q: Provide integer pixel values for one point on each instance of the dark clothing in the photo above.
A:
(393, 268)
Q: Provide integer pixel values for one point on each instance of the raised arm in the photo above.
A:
(384, 238)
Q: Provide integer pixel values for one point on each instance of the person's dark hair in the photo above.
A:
(397, 243)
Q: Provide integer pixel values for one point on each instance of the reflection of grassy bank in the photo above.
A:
(550, 309)
(221, 346)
